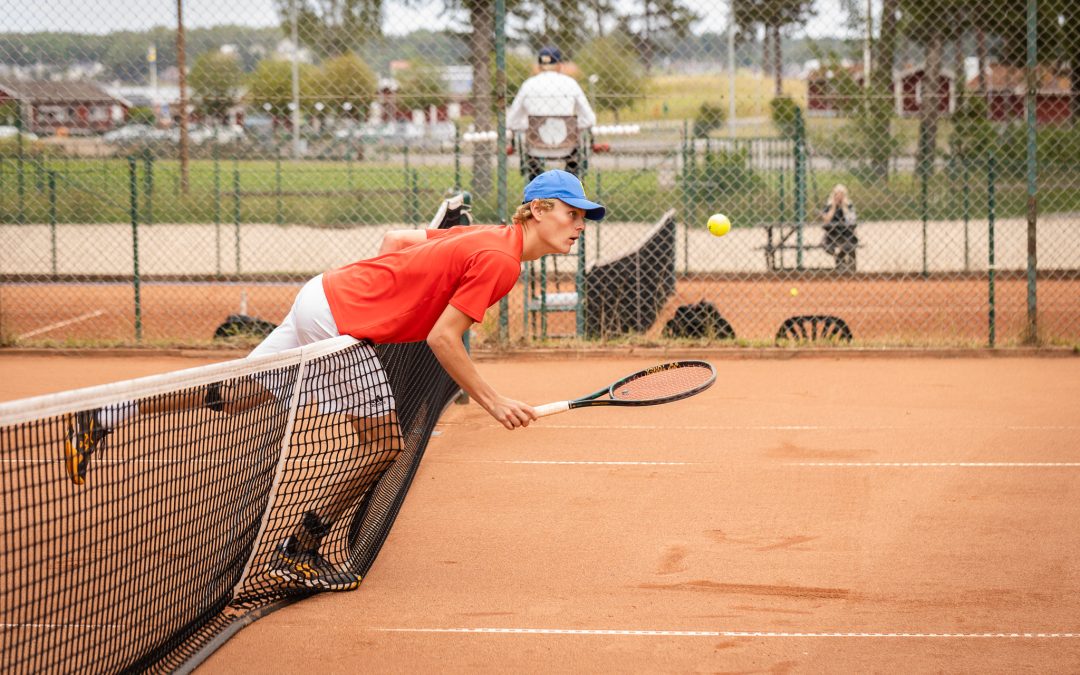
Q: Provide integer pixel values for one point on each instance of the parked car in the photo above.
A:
(136, 133)
(229, 133)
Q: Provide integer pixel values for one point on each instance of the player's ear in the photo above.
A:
(535, 210)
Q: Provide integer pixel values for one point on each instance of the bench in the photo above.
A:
(781, 237)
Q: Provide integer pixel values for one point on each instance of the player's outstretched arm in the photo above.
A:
(445, 341)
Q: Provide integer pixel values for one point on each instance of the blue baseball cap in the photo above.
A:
(564, 186)
(549, 55)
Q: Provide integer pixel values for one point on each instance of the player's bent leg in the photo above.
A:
(85, 436)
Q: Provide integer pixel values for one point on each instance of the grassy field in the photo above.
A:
(678, 97)
(333, 195)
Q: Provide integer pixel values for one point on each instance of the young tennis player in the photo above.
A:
(427, 285)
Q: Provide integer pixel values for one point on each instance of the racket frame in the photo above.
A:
(594, 399)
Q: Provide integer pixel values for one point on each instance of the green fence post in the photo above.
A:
(1032, 168)
(20, 171)
(599, 200)
(457, 159)
(991, 205)
(924, 207)
(800, 184)
(407, 202)
(217, 210)
(279, 214)
(133, 190)
(579, 285)
(500, 148)
(148, 186)
(965, 191)
(236, 213)
(52, 219)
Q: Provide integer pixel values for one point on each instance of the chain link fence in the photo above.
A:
(897, 173)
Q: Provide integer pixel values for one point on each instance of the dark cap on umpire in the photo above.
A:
(549, 55)
(566, 187)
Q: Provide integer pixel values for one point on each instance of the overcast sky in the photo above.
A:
(103, 16)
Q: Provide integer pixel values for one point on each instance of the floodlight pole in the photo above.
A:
(731, 70)
(181, 65)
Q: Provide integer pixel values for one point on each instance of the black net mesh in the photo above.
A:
(180, 525)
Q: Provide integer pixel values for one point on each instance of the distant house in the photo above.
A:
(77, 108)
(822, 97)
(909, 87)
(1006, 88)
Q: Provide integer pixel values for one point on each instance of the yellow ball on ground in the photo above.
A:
(794, 291)
(719, 225)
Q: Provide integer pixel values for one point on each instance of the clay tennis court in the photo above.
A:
(806, 514)
(899, 311)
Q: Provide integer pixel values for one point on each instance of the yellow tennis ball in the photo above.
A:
(794, 292)
(719, 225)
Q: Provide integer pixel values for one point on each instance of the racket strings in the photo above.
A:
(663, 383)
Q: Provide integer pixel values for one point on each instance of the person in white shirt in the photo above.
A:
(549, 93)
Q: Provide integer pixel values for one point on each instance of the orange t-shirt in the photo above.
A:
(397, 297)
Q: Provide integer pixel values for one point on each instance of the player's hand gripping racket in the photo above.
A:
(652, 386)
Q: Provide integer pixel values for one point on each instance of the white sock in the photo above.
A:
(112, 416)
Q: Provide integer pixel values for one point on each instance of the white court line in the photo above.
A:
(724, 633)
(591, 463)
(806, 427)
(61, 324)
(991, 465)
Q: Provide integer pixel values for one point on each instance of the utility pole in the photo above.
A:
(181, 66)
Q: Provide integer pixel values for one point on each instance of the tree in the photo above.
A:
(929, 23)
(879, 95)
(554, 22)
(347, 85)
(333, 27)
(657, 22)
(216, 79)
(772, 16)
(270, 87)
(620, 80)
(421, 86)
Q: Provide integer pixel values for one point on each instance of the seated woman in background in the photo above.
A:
(839, 217)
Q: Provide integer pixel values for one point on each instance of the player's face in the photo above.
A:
(560, 227)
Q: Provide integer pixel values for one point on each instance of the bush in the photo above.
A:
(786, 116)
(709, 117)
(972, 132)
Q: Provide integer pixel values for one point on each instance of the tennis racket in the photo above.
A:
(660, 384)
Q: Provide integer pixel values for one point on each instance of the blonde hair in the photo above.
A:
(842, 189)
(524, 212)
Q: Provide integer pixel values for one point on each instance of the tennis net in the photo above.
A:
(204, 485)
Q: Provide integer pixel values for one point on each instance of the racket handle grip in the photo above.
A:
(552, 408)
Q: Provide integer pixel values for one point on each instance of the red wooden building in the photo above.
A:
(1006, 87)
(76, 108)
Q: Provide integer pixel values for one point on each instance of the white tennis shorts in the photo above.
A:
(362, 391)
